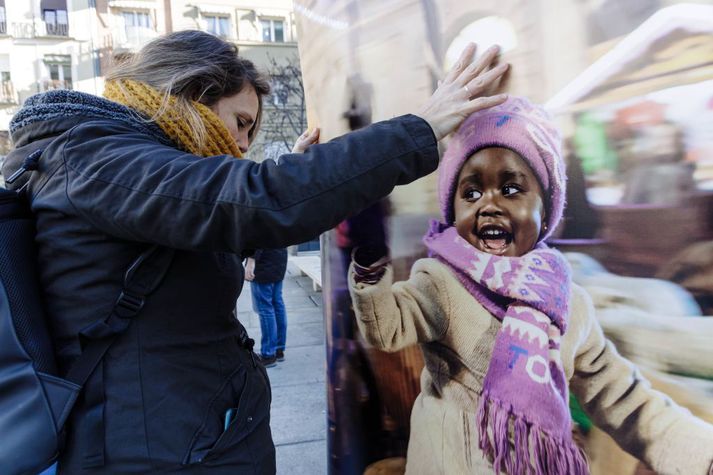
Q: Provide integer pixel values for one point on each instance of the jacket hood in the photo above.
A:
(48, 115)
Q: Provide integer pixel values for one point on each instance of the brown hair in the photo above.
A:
(193, 66)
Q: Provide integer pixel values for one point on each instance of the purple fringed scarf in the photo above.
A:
(525, 391)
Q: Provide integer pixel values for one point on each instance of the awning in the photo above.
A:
(132, 4)
(220, 10)
(53, 5)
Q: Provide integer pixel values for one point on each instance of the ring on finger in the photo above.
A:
(467, 91)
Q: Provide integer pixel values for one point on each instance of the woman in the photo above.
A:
(180, 389)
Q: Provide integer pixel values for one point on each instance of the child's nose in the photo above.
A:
(489, 206)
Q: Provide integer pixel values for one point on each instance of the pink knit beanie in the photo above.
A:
(518, 125)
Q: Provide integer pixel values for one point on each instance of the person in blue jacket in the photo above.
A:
(156, 162)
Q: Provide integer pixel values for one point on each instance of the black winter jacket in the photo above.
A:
(105, 190)
(270, 265)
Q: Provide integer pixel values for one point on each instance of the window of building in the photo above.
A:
(7, 91)
(97, 62)
(59, 70)
(56, 22)
(279, 91)
(137, 26)
(273, 31)
(3, 19)
(217, 25)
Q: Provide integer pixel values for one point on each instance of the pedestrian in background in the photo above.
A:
(266, 271)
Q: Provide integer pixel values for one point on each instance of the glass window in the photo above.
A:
(128, 19)
(137, 26)
(50, 17)
(280, 92)
(273, 31)
(59, 70)
(266, 30)
(224, 26)
(217, 25)
(2, 14)
(67, 72)
(62, 17)
(97, 63)
(56, 22)
(54, 71)
(279, 31)
(143, 20)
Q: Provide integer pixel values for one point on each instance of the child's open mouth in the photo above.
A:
(494, 238)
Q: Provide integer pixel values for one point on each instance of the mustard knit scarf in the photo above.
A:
(147, 100)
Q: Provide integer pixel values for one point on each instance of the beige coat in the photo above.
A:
(457, 335)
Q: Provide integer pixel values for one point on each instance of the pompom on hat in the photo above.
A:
(518, 125)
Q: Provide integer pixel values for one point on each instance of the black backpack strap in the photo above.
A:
(140, 280)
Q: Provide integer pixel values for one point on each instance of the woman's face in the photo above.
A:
(239, 112)
(498, 203)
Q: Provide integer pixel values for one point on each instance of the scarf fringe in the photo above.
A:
(532, 445)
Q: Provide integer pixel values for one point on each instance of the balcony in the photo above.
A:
(7, 93)
(38, 29)
(57, 29)
(52, 84)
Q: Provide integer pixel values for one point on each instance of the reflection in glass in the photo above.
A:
(630, 84)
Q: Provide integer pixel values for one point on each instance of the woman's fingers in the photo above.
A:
(501, 84)
(486, 81)
(466, 89)
(486, 61)
(483, 103)
(466, 57)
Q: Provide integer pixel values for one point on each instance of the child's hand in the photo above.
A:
(305, 140)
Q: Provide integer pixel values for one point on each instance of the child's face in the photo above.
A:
(498, 203)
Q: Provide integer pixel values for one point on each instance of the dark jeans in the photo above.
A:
(267, 302)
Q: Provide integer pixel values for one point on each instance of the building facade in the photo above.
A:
(70, 44)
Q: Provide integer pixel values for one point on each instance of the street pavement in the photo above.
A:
(299, 405)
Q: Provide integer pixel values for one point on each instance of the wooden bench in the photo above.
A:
(311, 266)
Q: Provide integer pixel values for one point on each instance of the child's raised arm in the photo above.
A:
(392, 317)
(643, 421)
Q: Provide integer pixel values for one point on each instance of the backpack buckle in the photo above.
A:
(128, 305)
(29, 164)
(18, 173)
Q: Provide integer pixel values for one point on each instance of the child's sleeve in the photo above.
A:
(643, 421)
(394, 316)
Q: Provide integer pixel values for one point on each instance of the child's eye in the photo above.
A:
(472, 194)
(511, 190)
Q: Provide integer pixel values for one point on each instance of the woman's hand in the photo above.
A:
(250, 269)
(465, 89)
(305, 140)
